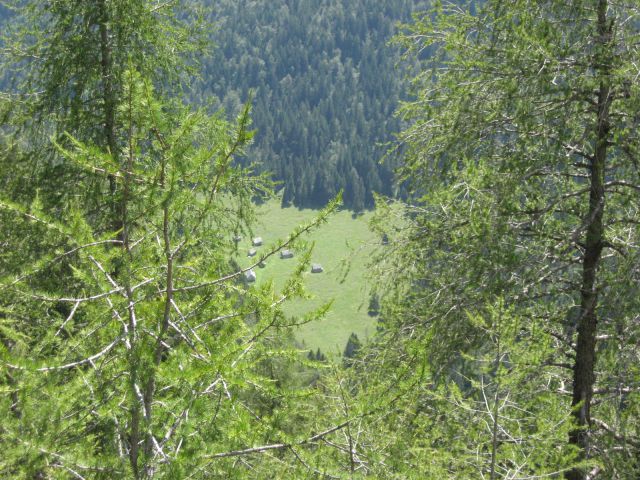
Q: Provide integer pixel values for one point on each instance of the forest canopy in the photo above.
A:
(325, 87)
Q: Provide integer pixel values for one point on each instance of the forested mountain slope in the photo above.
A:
(325, 90)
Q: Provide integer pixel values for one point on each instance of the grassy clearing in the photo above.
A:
(343, 247)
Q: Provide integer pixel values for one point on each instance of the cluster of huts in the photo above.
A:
(250, 275)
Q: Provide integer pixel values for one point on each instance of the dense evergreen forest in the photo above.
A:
(133, 345)
(325, 88)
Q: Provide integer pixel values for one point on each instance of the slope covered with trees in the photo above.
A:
(325, 90)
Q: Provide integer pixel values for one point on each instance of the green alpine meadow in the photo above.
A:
(320, 239)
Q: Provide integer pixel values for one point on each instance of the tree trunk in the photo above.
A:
(109, 100)
(584, 367)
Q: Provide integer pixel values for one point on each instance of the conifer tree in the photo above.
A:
(129, 347)
(128, 364)
(67, 61)
(520, 159)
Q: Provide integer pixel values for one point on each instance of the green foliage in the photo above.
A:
(374, 304)
(159, 329)
(67, 63)
(351, 349)
(130, 346)
(513, 123)
(326, 89)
